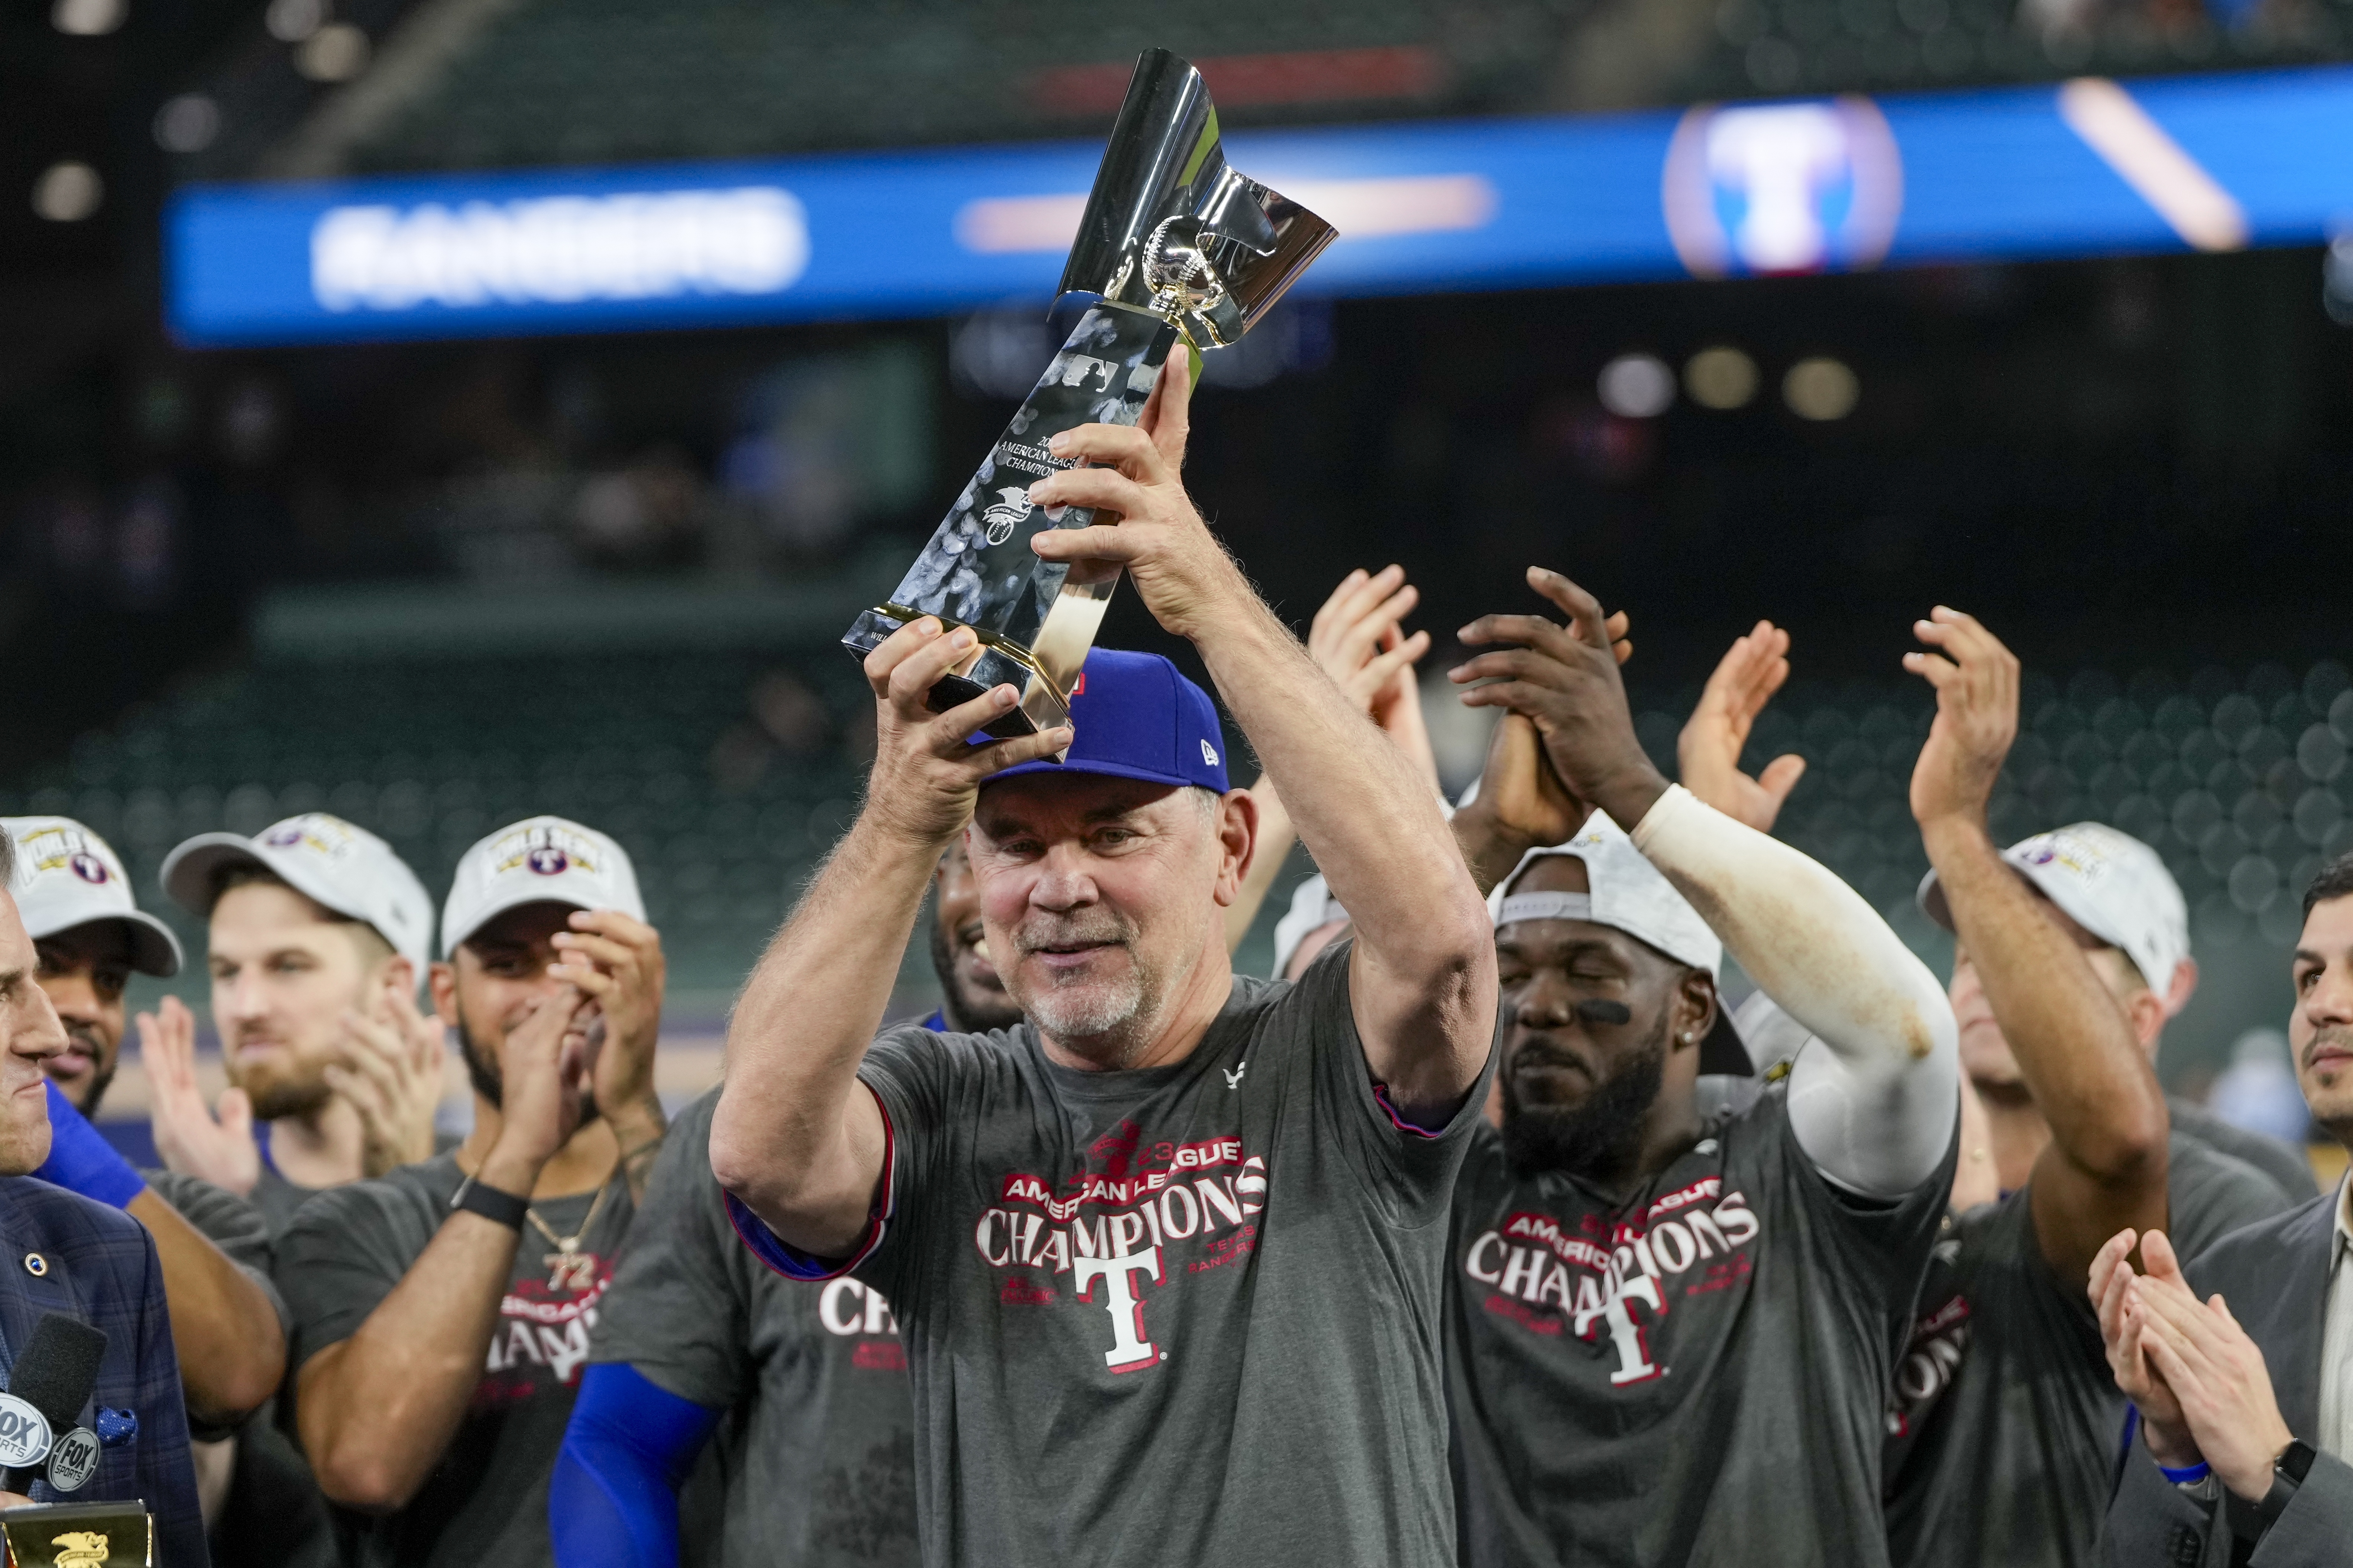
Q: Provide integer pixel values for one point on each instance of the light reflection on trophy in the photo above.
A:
(1179, 245)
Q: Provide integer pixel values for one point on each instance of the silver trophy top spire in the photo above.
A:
(1172, 229)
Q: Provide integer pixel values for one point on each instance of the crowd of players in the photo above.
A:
(1487, 1232)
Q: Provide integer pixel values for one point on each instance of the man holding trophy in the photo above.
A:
(1175, 1223)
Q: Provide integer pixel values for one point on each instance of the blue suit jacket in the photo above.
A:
(98, 1264)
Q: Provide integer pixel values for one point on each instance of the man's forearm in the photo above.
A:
(2074, 1045)
(1809, 939)
(378, 1410)
(231, 1350)
(807, 1016)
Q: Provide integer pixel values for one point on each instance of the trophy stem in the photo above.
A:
(1034, 619)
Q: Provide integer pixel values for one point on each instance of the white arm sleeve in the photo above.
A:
(1872, 1103)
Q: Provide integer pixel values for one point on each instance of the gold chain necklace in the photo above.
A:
(569, 1269)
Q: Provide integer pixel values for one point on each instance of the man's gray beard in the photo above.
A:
(1094, 1016)
(1106, 1023)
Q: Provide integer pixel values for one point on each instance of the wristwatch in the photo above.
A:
(502, 1209)
(2250, 1521)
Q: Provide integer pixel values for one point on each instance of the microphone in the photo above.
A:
(46, 1388)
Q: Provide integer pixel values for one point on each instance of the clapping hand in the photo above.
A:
(1563, 680)
(187, 1136)
(1358, 640)
(388, 1067)
(616, 961)
(1976, 679)
(1708, 750)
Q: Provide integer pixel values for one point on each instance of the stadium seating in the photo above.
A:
(1878, 45)
(727, 773)
(663, 751)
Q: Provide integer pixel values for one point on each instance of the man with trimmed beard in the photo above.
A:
(442, 1310)
(1671, 1329)
(806, 1390)
(1177, 1228)
(317, 934)
(2241, 1452)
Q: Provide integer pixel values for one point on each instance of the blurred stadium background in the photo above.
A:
(270, 552)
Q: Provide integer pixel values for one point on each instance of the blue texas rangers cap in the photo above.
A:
(1137, 717)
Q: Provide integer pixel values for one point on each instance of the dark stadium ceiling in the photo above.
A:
(447, 84)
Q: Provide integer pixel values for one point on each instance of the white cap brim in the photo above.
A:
(154, 950)
(190, 871)
(2062, 891)
(453, 940)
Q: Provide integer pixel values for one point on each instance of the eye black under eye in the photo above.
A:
(1600, 1010)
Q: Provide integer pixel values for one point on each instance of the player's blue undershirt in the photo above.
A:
(613, 1501)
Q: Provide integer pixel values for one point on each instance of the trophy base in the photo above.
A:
(991, 665)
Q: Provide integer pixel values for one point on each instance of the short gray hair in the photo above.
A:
(7, 858)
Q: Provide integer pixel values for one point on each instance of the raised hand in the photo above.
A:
(926, 773)
(1565, 682)
(543, 1071)
(389, 1068)
(618, 963)
(1181, 571)
(1976, 679)
(2217, 1373)
(1358, 640)
(187, 1136)
(1708, 750)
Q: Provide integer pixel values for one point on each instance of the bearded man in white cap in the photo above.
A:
(316, 935)
(442, 1311)
(1670, 1324)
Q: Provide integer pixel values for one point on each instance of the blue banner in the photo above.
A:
(2086, 167)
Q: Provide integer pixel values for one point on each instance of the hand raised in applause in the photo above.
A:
(1976, 679)
(388, 1066)
(188, 1136)
(1708, 751)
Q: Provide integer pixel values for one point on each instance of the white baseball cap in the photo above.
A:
(68, 875)
(344, 868)
(1627, 892)
(2110, 883)
(541, 859)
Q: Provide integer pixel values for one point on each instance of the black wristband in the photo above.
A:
(2252, 1521)
(502, 1209)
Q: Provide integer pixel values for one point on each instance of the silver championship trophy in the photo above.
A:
(1175, 244)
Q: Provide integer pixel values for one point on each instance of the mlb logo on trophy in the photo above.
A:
(1782, 187)
(1007, 514)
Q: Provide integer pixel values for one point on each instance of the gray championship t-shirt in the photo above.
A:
(1693, 1373)
(1174, 1315)
(486, 1501)
(817, 1447)
(272, 1516)
(2004, 1423)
